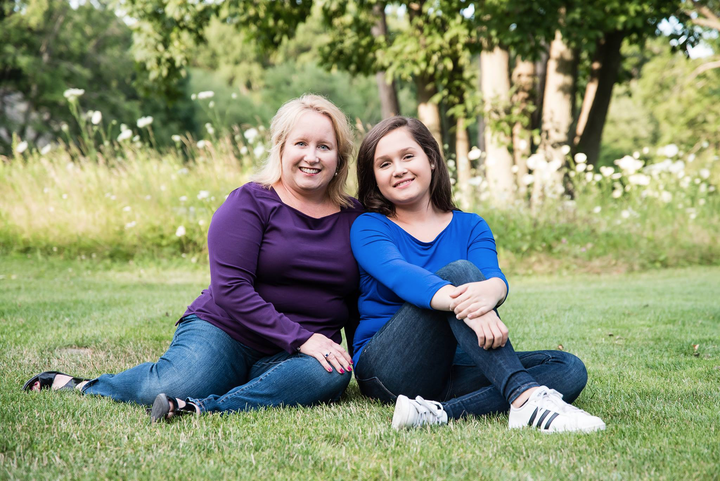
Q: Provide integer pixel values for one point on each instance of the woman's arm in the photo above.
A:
(376, 252)
(234, 240)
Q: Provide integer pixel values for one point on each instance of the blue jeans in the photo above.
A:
(203, 360)
(416, 353)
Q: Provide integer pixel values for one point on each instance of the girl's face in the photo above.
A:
(310, 156)
(402, 170)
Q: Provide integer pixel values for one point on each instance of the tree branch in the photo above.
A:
(711, 20)
(704, 68)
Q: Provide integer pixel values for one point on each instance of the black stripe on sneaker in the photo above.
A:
(552, 418)
(532, 418)
(542, 418)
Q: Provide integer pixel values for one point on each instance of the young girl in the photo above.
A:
(430, 287)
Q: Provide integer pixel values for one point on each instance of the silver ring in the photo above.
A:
(327, 354)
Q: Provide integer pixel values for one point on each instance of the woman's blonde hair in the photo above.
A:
(285, 120)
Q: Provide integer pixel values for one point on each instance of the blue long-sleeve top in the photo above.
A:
(396, 268)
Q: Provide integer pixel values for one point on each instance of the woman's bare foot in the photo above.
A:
(59, 381)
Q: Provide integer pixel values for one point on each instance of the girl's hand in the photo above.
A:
(490, 330)
(328, 353)
(476, 299)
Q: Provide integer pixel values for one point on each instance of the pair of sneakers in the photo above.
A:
(544, 410)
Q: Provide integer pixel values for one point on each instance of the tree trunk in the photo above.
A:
(523, 78)
(429, 112)
(462, 149)
(386, 90)
(540, 73)
(604, 74)
(496, 95)
(558, 102)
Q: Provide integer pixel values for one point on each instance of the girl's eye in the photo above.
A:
(408, 157)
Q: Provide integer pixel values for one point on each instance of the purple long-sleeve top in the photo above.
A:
(277, 275)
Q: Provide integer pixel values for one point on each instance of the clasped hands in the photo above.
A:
(474, 303)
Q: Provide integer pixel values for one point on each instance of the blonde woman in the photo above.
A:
(283, 282)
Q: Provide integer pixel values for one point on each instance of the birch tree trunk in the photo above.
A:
(462, 149)
(386, 90)
(429, 112)
(495, 75)
(523, 78)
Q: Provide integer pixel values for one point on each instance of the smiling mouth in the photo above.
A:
(403, 183)
(308, 170)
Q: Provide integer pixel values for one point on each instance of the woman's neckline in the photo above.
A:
(274, 191)
(442, 231)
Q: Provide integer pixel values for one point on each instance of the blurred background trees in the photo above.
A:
(512, 77)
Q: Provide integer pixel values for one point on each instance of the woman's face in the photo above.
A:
(402, 170)
(310, 155)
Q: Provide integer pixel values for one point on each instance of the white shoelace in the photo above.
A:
(432, 410)
(555, 398)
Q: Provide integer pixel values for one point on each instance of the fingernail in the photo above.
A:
(329, 370)
(342, 371)
(349, 368)
(351, 362)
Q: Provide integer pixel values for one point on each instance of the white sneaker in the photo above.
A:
(411, 413)
(546, 411)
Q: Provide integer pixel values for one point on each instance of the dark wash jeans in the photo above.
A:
(415, 353)
(221, 374)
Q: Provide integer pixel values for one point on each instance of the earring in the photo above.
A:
(336, 172)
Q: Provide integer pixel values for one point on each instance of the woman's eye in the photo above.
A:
(300, 143)
(324, 147)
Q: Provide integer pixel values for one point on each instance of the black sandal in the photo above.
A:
(46, 381)
(162, 406)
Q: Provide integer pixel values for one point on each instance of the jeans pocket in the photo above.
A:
(375, 389)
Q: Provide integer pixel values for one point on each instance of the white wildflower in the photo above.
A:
(629, 164)
(581, 167)
(474, 153)
(514, 169)
(251, 134)
(475, 181)
(597, 209)
(527, 179)
(209, 128)
(201, 222)
(616, 176)
(625, 214)
(45, 150)
(64, 196)
(666, 196)
(233, 96)
(636, 154)
(580, 158)
(130, 225)
(73, 94)
(588, 176)
(639, 179)
(144, 121)
(183, 171)
(201, 144)
(704, 173)
(148, 197)
(96, 117)
(670, 150)
(211, 104)
(183, 198)
(124, 135)
(176, 138)
(677, 167)
(259, 150)
(180, 231)
(207, 94)
(127, 208)
(701, 201)
(243, 150)
(536, 161)
(691, 158)
(645, 150)
(590, 167)
(617, 193)
(21, 147)
(203, 194)
(607, 171)
(565, 149)
(597, 177)
(193, 97)
(136, 138)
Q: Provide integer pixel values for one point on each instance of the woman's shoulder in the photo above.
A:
(467, 218)
(355, 208)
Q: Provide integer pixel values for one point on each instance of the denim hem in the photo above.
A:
(521, 389)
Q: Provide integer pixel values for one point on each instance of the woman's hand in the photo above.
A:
(490, 330)
(328, 353)
(476, 299)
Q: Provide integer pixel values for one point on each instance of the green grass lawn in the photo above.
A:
(659, 396)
